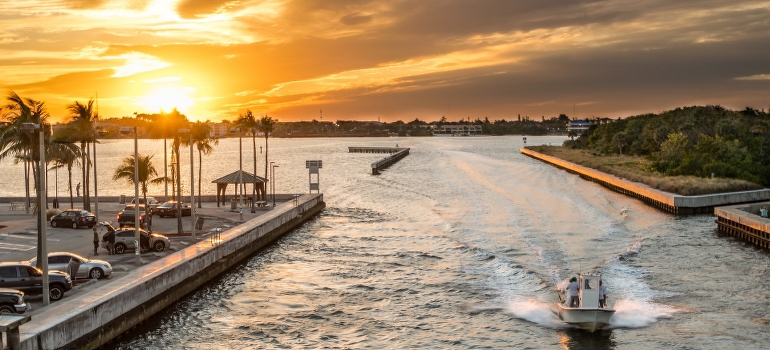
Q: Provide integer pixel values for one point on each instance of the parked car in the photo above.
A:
(89, 268)
(170, 209)
(151, 204)
(124, 240)
(29, 279)
(74, 218)
(12, 302)
(126, 216)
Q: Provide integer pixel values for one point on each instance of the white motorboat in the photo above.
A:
(587, 315)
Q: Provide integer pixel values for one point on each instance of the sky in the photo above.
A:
(386, 60)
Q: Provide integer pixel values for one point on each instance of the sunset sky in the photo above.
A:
(364, 60)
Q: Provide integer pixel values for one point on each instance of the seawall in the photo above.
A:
(92, 319)
(662, 200)
(745, 222)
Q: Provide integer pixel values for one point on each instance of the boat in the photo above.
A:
(587, 315)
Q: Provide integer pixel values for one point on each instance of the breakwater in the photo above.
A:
(397, 153)
(666, 201)
(745, 222)
(93, 319)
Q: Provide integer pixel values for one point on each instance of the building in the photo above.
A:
(457, 129)
(578, 126)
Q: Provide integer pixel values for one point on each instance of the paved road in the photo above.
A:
(18, 239)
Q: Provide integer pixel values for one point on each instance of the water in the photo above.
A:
(460, 245)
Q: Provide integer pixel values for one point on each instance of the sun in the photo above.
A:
(168, 98)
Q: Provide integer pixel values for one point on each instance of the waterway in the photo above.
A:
(459, 245)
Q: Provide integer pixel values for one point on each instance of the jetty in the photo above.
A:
(93, 319)
(397, 153)
(665, 201)
(748, 222)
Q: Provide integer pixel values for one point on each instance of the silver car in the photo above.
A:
(89, 268)
(124, 240)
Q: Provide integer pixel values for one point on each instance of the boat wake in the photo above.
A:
(634, 314)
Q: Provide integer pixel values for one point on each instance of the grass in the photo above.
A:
(633, 168)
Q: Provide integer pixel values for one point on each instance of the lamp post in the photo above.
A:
(240, 172)
(42, 232)
(96, 188)
(272, 171)
(192, 181)
(137, 238)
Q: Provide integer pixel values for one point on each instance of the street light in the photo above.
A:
(272, 170)
(42, 232)
(137, 237)
(192, 182)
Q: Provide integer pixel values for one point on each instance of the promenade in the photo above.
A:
(18, 239)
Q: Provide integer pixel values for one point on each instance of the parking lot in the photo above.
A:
(18, 240)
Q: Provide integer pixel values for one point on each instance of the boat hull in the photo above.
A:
(588, 319)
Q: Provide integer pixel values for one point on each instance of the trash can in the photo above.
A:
(122, 199)
(73, 266)
(233, 204)
(56, 202)
(199, 223)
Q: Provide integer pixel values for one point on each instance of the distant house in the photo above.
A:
(457, 129)
(218, 129)
(126, 130)
(578, 126)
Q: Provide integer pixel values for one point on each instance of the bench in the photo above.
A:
(10, 325)
(18, 206)
(260, 204)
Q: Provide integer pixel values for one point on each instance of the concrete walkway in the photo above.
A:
(18, 239)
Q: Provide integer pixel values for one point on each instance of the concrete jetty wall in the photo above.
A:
(662, 200)
(388, 161)
(745, 222)
(93, 319)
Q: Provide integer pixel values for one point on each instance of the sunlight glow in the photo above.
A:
(167, 98)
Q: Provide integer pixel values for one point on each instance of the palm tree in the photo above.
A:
(266, 125)
(81, 129)
(203, 140)
(15, 142)
(147, 173)
(66, 156)
(247, 121)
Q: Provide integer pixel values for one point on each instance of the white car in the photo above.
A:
(124, 240)
(89, 268)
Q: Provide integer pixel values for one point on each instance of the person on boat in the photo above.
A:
(602, 295)
(573, 293)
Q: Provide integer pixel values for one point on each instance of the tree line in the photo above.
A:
(702, 141)
(74, 143)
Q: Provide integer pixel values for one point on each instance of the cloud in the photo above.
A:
(355, 19)
(195, 8)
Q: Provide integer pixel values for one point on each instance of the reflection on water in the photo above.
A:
(460, 245)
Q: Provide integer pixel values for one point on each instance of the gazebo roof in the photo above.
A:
(234, 178)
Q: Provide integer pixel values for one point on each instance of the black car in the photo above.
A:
(170, 209)
(29, 279)
(126, 216)
(12, 301)
(74, 218)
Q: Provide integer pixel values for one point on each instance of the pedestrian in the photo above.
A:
(602, 295)
(77, 189)
(110, 238)
(96, 242)
(573, 293)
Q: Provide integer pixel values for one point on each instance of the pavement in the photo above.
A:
(18, 239)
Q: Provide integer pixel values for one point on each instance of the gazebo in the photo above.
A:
(240, 178)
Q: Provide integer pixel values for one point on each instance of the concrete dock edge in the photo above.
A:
(662, 200)
(93, 319)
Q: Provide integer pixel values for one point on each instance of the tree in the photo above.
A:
(81, 129)
(266, 125)
(202, 139)
(66, 156)
(146, 176)
(247, 121)
(620, 140)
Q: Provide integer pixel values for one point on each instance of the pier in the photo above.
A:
(93, 319)
(397, 153)
(665, 201)
(745, 222)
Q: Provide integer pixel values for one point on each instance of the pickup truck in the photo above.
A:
(126, 216)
